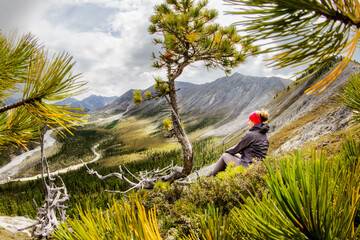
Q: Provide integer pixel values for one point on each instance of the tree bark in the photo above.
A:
(188, 154)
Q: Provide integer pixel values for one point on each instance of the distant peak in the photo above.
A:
(236, 74)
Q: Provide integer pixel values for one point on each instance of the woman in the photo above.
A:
(254, 145)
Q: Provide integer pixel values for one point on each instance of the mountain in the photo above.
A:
(218, 102)
(90, 103)
(228, 99)
(120, 104)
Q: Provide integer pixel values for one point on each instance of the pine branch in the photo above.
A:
(20, 103)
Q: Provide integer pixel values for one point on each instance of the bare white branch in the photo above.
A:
(118, 175)
(145, 179)
(131, 174)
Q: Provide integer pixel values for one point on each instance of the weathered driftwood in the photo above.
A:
(53, 212)
(145, 179)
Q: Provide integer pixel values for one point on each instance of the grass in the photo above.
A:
(132, 140)
(4, 234)
(137, 134)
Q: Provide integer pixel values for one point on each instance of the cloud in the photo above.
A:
(19, 14)
(109, 40)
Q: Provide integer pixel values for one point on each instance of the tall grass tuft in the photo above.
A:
(213, 225)
(122, 220)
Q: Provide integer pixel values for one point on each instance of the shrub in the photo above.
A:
(180, 207)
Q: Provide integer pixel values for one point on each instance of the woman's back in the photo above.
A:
(258, 145)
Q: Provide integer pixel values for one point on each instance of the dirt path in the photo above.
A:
(64, 170)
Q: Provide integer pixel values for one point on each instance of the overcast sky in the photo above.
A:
(109, 40)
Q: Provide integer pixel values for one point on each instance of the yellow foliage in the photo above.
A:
(168, 55)
(327, 81)
(148, 95)
(217, 38)
(121, 221)
(192, 37)
(162, 185)
(217, 56)
(137, 99)
(167, 123)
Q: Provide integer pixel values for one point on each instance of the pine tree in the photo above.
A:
(187, 34)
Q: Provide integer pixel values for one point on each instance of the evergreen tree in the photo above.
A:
(26, 72)
(188, 34)
(303, 31)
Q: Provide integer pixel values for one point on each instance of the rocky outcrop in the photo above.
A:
(311, 115)
(333, 121)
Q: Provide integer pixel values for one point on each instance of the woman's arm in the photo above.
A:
(244, 142)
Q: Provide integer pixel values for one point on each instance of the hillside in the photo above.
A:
(297, 118)
(218, 109)
(202, 107)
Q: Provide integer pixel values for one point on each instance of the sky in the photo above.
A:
(110, 42)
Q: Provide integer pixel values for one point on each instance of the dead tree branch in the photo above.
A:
(145, 179)
(54, 206)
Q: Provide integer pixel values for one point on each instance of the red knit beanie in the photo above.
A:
(255, 118)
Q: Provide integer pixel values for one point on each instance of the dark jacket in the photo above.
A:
(254, 144)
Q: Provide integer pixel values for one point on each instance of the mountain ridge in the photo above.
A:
(222, 99)
(89, 104)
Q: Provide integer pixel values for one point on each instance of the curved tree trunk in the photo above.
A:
(188, 154)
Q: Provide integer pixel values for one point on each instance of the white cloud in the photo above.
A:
(108, 39)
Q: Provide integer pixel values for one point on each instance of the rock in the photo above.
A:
(201, 172)
(12, 223)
